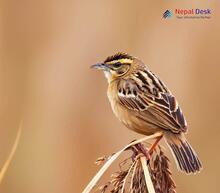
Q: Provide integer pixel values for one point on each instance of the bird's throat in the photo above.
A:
(108, 76)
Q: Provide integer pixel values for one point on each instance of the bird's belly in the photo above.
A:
(130, 119)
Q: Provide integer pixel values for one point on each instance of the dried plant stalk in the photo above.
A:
(96, 178)
(161, 174)
(150, 186)
(141, 174)
(11, 155)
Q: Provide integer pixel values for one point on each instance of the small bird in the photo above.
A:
(143, 103)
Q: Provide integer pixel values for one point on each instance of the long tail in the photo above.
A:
(185, 157)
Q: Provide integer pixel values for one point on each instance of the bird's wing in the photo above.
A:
(147, 95)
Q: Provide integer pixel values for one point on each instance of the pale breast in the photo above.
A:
(128, 117)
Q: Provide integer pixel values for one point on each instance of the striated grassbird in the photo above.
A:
(143, 103)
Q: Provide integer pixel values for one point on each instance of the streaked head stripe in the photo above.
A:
(123, 61)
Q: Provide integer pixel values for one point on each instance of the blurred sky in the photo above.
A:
(46, 48)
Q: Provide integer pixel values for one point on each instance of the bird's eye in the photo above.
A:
(117, 65)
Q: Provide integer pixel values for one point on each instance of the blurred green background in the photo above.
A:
(46, 48)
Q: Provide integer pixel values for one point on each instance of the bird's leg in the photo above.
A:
(153, 146)
(140, 148)
(147, 153)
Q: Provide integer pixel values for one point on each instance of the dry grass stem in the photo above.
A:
(11, 155)
(150, 186)
(138, 173)
(96, 178)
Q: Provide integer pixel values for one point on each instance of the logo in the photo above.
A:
(167, 14)
(188, 13)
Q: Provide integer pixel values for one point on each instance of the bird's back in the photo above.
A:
(142, 102)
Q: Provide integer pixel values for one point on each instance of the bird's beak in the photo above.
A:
(100, 66)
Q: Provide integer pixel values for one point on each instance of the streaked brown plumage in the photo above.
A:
(144, 104)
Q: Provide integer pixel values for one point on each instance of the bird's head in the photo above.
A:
(117, 66)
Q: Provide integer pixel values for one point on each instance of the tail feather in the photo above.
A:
(186, 158)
